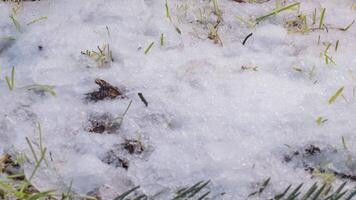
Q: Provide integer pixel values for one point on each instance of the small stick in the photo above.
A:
(143, 99)
(246, 38)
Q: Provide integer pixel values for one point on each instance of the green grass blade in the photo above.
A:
(276, 11)
(281, 195)
(125, 194)
(347, 27)
(149, 47)
(321, 22)
(319, 192)
(336, 95)
(351, 195)
(311, 190)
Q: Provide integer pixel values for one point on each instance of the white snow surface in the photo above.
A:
(206, 118)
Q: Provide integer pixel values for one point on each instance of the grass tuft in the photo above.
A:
(37, 20)
(102, 56)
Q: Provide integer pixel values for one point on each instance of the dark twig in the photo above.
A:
(143, 99)
(246, 38)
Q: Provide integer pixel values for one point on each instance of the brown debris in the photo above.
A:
(312, 150)
(102, 123)
(8, 166)
(239, 1)
(112, 158)
(133, 146)
(106, 91)
(249, 68)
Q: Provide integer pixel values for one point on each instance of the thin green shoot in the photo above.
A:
(37, 20)
(168, 14)
(327, 48)
(125, 194)
(41, 88)
(120, 119)
(189, 192)
(68, 195)
(328, 59)
(7, 38)
(149, 47)
(162, 39)
(276, 11)
(321, 22)
(336, 95)
(344, 143)
(37, 162)
(32, 149)
(11, 80)
(40, 141)
(314, 17)
(43, 154)
(261, 188)
(13, 17)
(347, 27)
(39, 128)
(14, 176)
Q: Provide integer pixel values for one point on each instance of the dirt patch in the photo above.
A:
(112, 158)
(133, 146)
(106, 91)
(100, 123)
(324, 160)
(10, 167)
(311, 150)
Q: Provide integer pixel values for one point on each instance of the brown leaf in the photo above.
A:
(106, 91)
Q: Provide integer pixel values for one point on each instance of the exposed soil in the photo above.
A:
(311, 152)
(9, 167)
(113, 159)
(103, 123)
(133, 146)
(106, 91)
